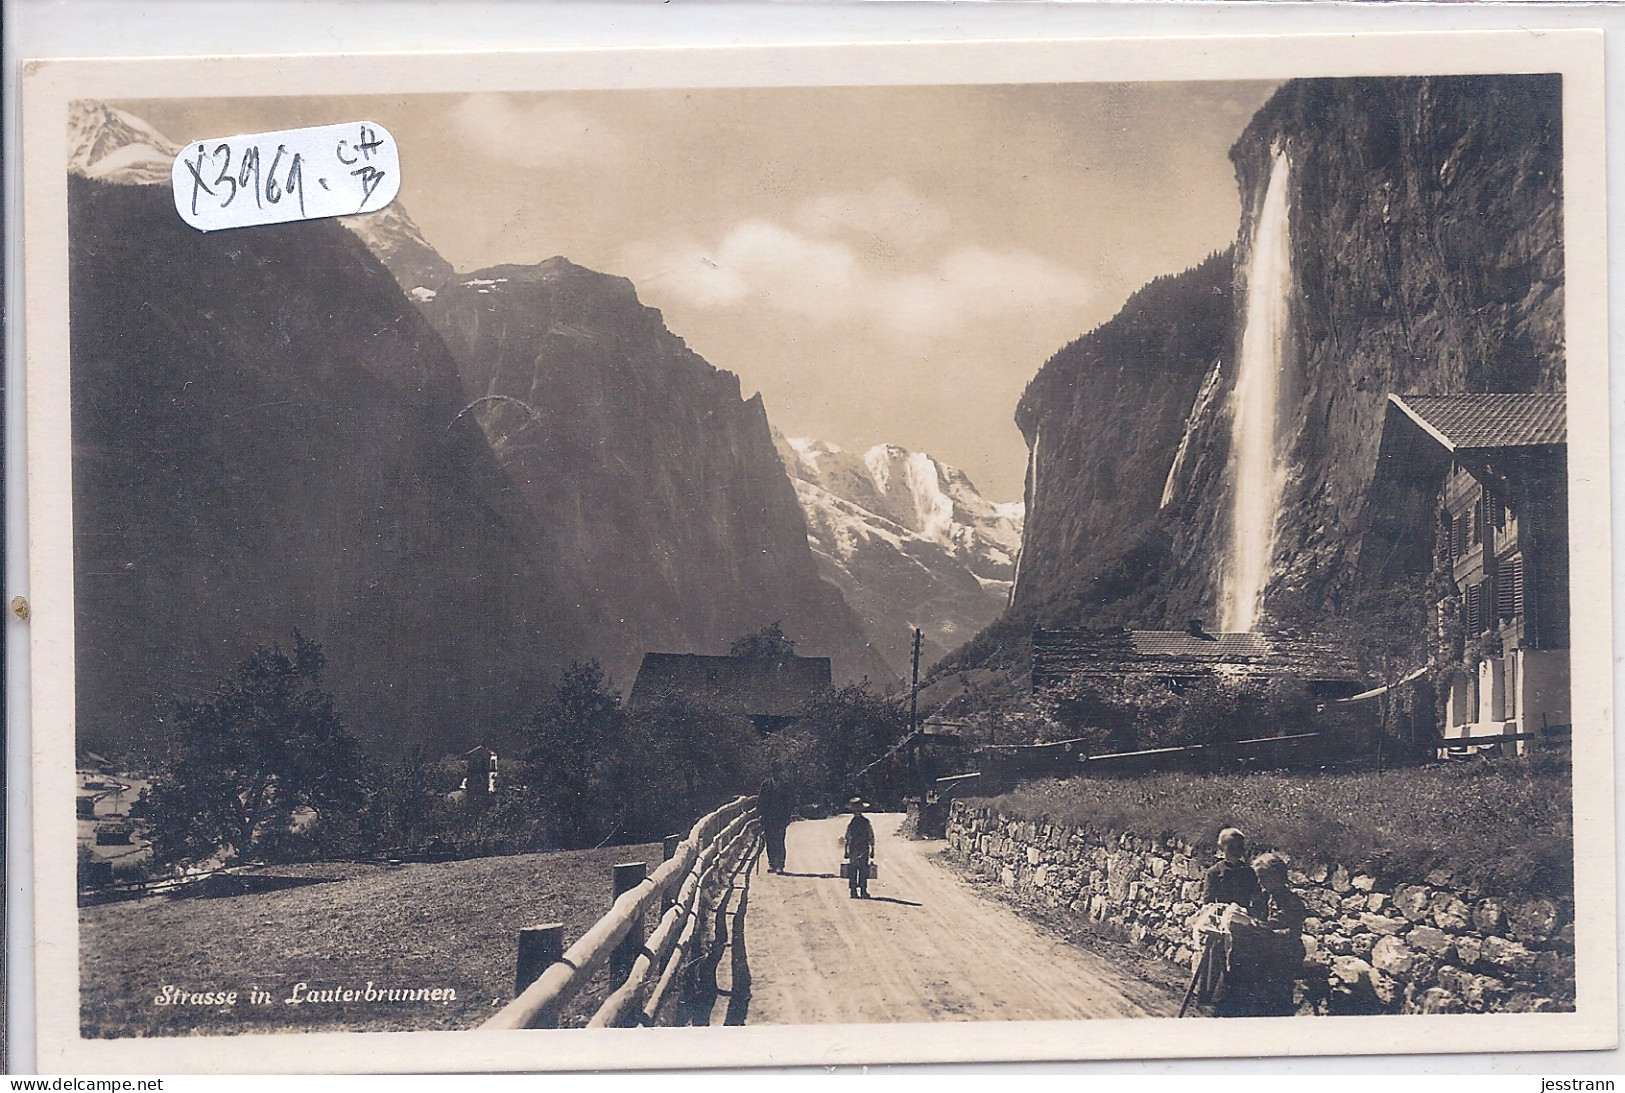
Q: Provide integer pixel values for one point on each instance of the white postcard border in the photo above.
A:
(50, 85)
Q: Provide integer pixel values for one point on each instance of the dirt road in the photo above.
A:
(926, 947)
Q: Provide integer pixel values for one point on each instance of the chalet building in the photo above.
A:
(769, 692)
(480, 766)
(1481, 482)
(1071, 667)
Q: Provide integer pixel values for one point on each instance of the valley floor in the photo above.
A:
(435, 926)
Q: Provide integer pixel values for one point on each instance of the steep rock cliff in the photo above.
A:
(662, 503)
(1104, 421)
(266, 436)
(1426, 237)
(1427, 241)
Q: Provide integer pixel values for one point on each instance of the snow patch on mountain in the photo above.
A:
(113, 146)
(909, 540)
(809, 452)
(395, 240)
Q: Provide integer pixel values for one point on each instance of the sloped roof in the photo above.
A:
(1067, 652)
(1480, 421)
(1182, 643)
(777, 688)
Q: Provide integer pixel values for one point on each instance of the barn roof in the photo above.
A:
(779, 687)
(1117, 650)
(1488, 420)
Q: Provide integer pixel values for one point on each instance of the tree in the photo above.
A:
(241, 761)
(572, 739)
(402, 801)
(848, 728)
(682, 759)
(768, 643)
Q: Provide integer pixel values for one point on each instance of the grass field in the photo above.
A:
(433, 925)
(1503, 825)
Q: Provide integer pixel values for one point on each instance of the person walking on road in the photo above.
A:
(860, 847)
(773, 808)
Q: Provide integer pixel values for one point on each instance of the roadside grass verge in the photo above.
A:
(1502, 826)
(434, 925)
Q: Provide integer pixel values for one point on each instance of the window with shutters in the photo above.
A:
(1494, 512)
(1474, 612)
(1509, 588)
(1458, 536)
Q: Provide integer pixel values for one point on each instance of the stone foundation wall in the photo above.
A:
(1372, 944)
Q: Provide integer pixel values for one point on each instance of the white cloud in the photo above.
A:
(975, 283)
(545, 134)
(760, 263)
(891, 211)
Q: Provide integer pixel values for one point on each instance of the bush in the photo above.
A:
(682, 759)
(1502, 825)
(267, 743)
(1132, 712)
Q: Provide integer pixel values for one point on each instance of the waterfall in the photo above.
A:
(1030, 497)
(1193, 421)
(1257, 465)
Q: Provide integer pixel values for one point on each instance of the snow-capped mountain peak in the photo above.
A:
(395, 240)
(908, 539)
(811, 452)
(932, 499)
(110, 145)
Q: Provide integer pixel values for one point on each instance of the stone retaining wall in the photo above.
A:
(1372, 945)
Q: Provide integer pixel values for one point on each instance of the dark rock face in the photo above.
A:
(1104, 420)
(1428, 255)
(266, 436)
(1426, 227)
(661, 501)
(394, 239)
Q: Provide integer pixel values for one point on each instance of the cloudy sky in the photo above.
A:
(883, 264)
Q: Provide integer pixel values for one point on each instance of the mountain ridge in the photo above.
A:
(435, 584)
(907, 539)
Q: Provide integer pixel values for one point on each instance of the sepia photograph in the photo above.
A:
(734, 554)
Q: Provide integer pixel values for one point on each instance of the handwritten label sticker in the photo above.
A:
(294, 174)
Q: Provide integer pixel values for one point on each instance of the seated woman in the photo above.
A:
(1228, 889)
(1266, 945)
(1231, 879)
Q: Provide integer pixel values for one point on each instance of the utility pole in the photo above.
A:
(914, 689)
(914, 717)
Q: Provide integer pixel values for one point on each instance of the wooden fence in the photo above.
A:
(691, 887)
(1003, 767)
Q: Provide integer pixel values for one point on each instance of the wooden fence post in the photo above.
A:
(669, 849)
(628, 876)
(539, 948)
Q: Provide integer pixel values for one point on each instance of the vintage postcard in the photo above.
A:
(693, 557)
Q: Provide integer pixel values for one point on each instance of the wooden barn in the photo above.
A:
(1073, 668)
(1479, 484)
(1064, 658)
(770, 692)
